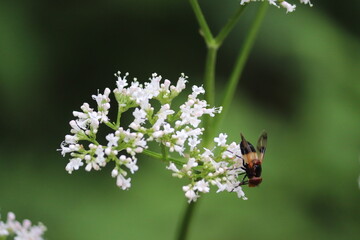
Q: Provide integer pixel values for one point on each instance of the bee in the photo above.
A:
(252, 160)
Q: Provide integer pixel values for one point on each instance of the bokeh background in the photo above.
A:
(301, 84)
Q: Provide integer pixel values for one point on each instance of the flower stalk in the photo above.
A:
(186, 220)
(209, 85)
(161, 157)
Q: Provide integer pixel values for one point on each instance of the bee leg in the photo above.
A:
(236, 155)
(244, 178)
(240, 168)
(242, 182)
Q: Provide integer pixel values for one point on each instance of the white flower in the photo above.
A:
(103, 102)
(177, 129)
(162, 115)
(113, 140)
(131, 165)
(172, 167)
(244, 1)
(180, 137)
(71, 139)
(202, 186)
(181, 83)
(64, 149)
(102, 99)
(306, 2)
(122, 182)
(18, 231)
(221, 140)
(196, 91)
(273, 2)
(74, 164)
(288, 6)
(139, 118)
(167, 128)
(207, 155)
(221, 187)
(176, 171)
(3, 229)
(190, 193)
(121, 82)
(240, 192)
(152, 89)
(91, 165)
(114, 172)
(100, 156)
(179, 149)
(193, 142)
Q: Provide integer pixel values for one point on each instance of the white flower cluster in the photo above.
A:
(20, 231)
(177, 130)
(220, 167)
(289, 7)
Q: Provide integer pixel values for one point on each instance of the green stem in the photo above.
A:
(209, 76)
(240, 63)
(160, 156)
(183, 230)
(229, 25)
(164, 152)
(111, 125)
(205, 30)
(118, 116)
(209, 85)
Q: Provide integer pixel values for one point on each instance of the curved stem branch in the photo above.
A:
(229, 25)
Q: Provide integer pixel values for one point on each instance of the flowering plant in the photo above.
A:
(20, 231)
(177, 132)
(187, 134)
(289, 7)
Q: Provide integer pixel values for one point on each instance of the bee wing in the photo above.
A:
(261, 145)
(247, 150)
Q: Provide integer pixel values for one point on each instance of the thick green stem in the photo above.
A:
(209, 80)
(209, 85)
(213, 45)
(209, 76)
(183, 230)
(240, 63)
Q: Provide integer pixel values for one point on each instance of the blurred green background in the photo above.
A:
(301, 84)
